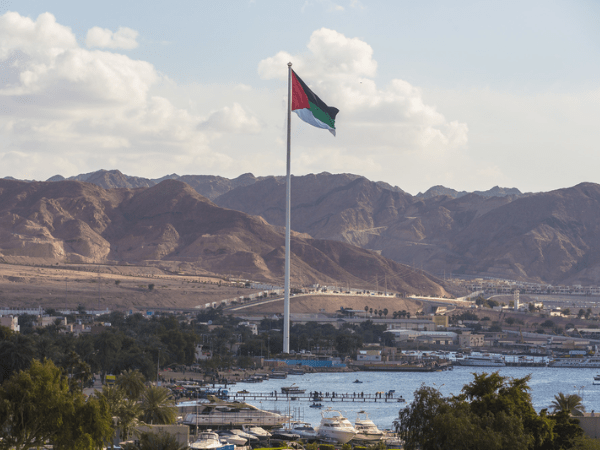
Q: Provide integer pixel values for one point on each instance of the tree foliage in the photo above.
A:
(37, 406)
(569, 403)
(157, 407)
(492, 413)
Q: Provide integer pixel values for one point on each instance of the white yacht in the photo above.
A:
(334, 426)
(481, 361)
(366, 430)
(206, 441)
(232, 414)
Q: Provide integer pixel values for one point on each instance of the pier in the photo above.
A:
(327, 397)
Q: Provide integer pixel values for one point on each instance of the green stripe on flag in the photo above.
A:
(321, 115)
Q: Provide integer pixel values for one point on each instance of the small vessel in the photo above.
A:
(304, 429)
(249, 437)
(297, 372)
(279, 375)
(293, 389)
(207, 440)
(366, 430)
(315, 405)
(357, 381)
(334, 426)
(228, 438)
(257, 431)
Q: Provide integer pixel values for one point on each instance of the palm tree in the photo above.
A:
(126, 411)
(157, 407)
(571, 403)
(131, 382)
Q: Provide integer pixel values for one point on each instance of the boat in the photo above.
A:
(206, 441)
(297, 372)
(591, 362)
(334, 426)
(279, 375)
(253, 440)
(596, 379)
(262, 434)
(283, 434)
(316, 405)
(293, 389)
(304, 429)
(481, 361)
(229, 438)
(366, 430)
(221, 413)
(357, 381)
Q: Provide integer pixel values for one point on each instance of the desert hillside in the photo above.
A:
(72, 222)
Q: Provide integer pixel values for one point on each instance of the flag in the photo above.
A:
(311, 108)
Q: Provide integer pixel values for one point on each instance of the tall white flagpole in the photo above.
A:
(288, 186)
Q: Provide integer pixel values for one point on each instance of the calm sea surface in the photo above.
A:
(545, 383)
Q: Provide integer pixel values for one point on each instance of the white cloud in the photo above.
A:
(392, 119)
(231, 119)
(124, 38)
(66, 108)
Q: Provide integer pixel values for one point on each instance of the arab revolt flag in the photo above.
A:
(310, 107)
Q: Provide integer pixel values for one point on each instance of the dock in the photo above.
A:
(327, 397)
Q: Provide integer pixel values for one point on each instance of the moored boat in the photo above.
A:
(591, 362)
(481, 361)
(207, 441)
(334, 426)
(366, 430)
(219, 413)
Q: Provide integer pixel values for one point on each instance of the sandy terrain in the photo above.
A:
(113, 287)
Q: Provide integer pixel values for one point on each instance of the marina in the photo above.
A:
(545, 383)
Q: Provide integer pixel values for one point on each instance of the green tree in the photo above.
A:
(570, 403)
(385, 312)
(492, 413)
(16, 354)
(132, 383)
(125, 410)
(36, 406)
(157, 406)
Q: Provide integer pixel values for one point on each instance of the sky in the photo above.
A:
(465, 94)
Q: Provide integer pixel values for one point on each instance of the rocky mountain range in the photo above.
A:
(79, 222)
(548, 237)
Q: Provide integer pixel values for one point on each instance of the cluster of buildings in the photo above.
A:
(498, 286)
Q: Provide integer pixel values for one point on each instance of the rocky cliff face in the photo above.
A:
(550, 237)
(80, 222)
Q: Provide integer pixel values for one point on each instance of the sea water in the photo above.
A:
(545, 383)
